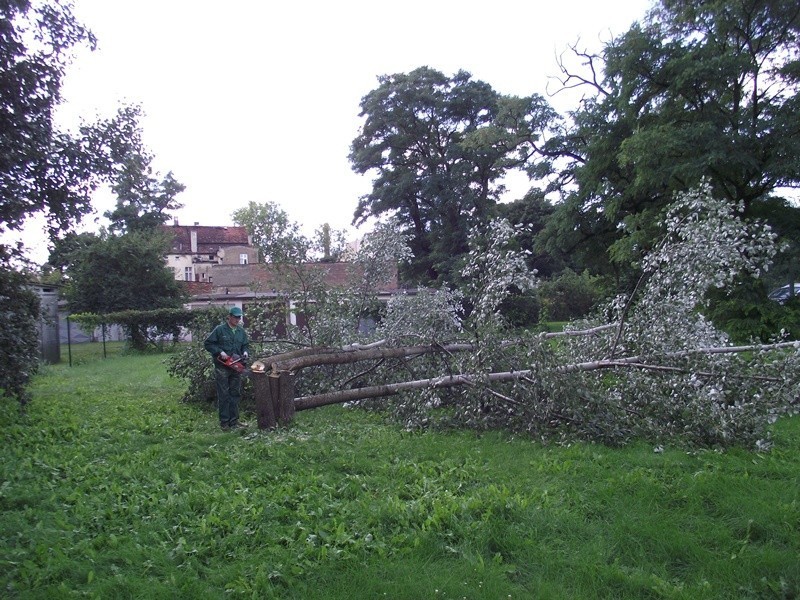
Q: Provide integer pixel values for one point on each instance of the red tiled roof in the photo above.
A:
(209, 238)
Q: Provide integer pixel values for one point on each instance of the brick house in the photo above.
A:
(196, 249)
(219, 267)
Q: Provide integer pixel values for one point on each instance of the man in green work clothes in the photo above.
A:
(228, 340)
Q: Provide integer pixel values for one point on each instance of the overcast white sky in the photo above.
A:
(253, 100)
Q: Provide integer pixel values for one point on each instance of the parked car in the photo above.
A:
(782, 294)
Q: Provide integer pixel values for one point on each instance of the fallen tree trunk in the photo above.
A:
(392, 389)
(347, 356)
(314, 357)
(633, 362)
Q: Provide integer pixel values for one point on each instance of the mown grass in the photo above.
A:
(111, 488)
(85, 352)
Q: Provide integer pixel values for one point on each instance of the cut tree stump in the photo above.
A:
(274, 395)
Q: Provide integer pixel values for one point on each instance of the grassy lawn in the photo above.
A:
(111, 488)
(91, 351)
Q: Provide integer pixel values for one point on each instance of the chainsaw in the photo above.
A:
(234, 363)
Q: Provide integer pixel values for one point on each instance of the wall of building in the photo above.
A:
(201, 269)
(232, 255)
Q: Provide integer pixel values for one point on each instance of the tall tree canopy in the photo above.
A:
(142, 199)
(699, 90)
(42, 170)
(440, 147)
(45, 170)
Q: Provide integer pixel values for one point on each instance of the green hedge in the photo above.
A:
(146, 327)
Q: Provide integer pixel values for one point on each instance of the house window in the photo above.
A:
(243, 259)
(187, 274)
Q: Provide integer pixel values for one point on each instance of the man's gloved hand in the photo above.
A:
(223, 356)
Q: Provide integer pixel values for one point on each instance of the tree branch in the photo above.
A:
(365, 393)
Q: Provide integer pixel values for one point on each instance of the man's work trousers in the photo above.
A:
(229, 392)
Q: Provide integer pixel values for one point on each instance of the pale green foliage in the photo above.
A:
(436, 317)
(706, 246)
(423, 316)
(380, 252)
(335, 317)
(709, 399)
(676, 392)
(492, 268)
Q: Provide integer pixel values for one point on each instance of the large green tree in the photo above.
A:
(44, 171)
(700, 89)
(112, 273)
(439, 147)
(122, 272)
(130, 255)
(276, 236)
